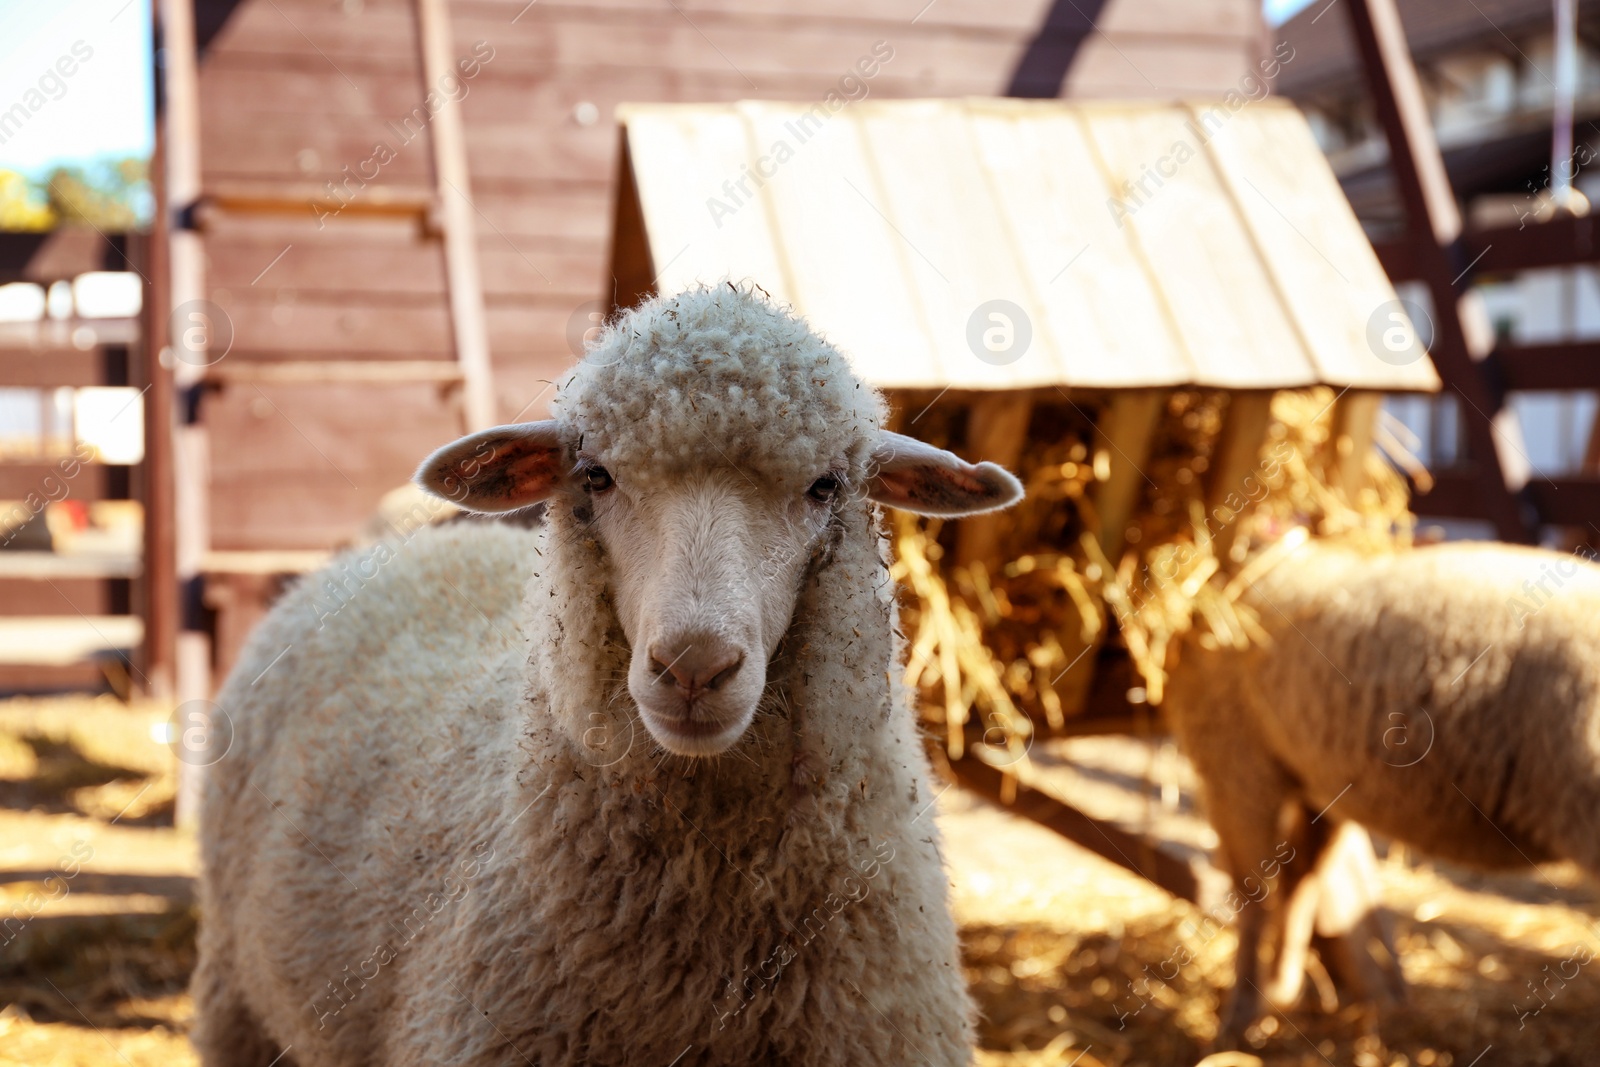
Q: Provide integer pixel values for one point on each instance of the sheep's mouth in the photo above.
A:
(693, 737)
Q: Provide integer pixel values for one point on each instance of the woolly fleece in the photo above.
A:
(1426, 695)
(719, 371)
(442, 835)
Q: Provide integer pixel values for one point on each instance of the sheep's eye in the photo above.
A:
(596, 479)
(824, 489)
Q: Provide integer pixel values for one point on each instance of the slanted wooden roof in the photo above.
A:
(888, 223)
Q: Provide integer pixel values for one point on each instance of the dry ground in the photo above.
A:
(1056, 939)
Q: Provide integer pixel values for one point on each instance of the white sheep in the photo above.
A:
(1448, 697)
(480, 816)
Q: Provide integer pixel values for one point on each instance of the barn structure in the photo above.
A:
(999, 269)
(376, 203)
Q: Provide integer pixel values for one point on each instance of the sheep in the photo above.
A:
(639, 786)
(1447, 696)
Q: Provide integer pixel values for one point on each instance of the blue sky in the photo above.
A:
(1280, 11)
(102, 109)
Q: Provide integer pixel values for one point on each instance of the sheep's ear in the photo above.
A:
(500, 469)
(914, 476)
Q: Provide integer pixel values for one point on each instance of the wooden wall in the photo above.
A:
(295, 91)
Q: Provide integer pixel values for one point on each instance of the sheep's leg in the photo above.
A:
(226, 1034)
(1299, 888)
(1245, 791)
(1360, 945)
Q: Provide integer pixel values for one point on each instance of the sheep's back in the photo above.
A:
(1425, 690)
(364, 710)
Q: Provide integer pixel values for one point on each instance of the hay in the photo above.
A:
(1015, 638)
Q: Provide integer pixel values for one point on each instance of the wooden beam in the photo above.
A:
(1453, 495)
(58, 334)
(1570, 501)
(997, 430)
(1573, 500)
(49, 566)
(1568, 365)
(1355, 422)
(448, 135)
(633, 269)
(331, 371)
(1462, 334)
(49, 368)
(156, 592)
(306, 198)
(263, 562)
(1559, 242)
(1122, 447)
(1185, 878)
(1237, 458)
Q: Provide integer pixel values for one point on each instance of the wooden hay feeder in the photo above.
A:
(1164, 317)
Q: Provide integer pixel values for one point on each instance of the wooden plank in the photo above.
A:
(633, 270)
(1206, 18)
(357, 269)
(830, 196)
(1462, 336)
(917, 165)
(156, 593)
(239, 600)
(1123, 437)
(1573, 500)
(53, 566)
(63, 597)
(1321, 265)
(50, 367)
(60, 642)
(997, 431)
(268, 562)
(302, 510)
(46, 480)
(87, 677)
(1570, 501)
(1237, 460)
(1355, 421)
(730, 238)
(1107, 323)
(599, 41)
(373, 372)
(1166, 67)
(310, 198)
(329, 432)
(1565, 365)
(1178, 875)
(1560, 241)
(446, 132)
(1453, 495)
(1196, 249)
(59, 255)
(306, 329)
(58, 334)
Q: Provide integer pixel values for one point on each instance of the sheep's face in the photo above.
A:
(707, 562)
(706, 567)
(711, 440)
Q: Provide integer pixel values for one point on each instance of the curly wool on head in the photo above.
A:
(760, 385)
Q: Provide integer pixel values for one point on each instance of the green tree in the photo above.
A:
(23, 206)
(109, 194)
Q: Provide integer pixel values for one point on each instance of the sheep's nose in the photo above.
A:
(698, 665)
